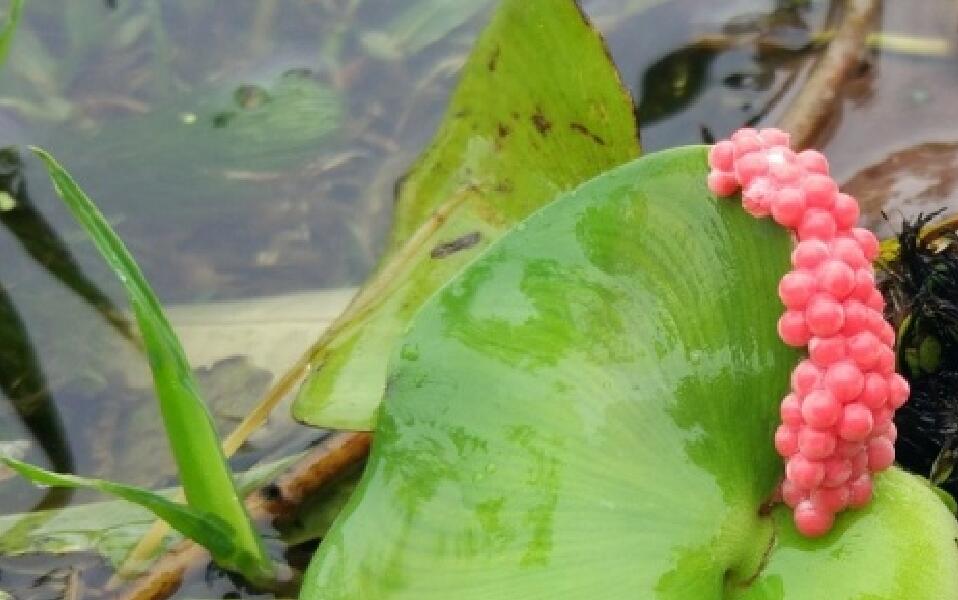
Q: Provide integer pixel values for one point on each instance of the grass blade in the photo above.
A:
(204, 474)
(6, 32)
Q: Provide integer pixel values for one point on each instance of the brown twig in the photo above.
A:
(334, 455)
(811, 108)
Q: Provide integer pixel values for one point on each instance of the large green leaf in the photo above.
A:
(539, 109)
(587, 411)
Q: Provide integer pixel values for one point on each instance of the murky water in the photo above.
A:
(247, 149)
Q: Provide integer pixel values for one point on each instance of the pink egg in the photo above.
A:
(875, 301)
(898, 391)
(821, 410)
(856, 423)
(875, 393)
(837, 471)
(881, 454)
(846, 249)
(817, 224)
(791, 411)
(758, 195)
(786, 441)
(891, 432)
(856, 316)
(820, 190)
(750, 167)
(788, 206)
(887, 334)
(832, 499)
(746, 141)
(882, 418)
(864, 284)
(867, 241)
(813, 161)
(775, 137)
(860, 462)
(806, 377)
(792, 328)
(836, 278)
(722, 155)
(796, 287)
(864, 348)
(808, 254)
(815, 444)
(812, 520)
(792, 494)
(824, 316)
(825, 351)
(846, 449)
(860, 491)
(785, 173)
(845, 211)
(844, 380)
(804, 473)
(886, 361)
(722, 183)
(873, 320)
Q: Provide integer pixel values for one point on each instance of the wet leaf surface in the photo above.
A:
(922, 178)
(538, 109)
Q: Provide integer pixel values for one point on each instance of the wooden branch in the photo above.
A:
(810, 109)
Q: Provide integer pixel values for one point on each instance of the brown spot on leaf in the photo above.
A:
(503, 187)
(541, 122)
(460, 243)
(580, 128)
(503, 130)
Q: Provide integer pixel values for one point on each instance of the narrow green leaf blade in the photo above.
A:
(205, 529)
(204, 474)
(6, 32)
(539, 109)
(588, 411)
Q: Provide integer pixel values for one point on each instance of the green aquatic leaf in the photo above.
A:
(539, 109)
(14, 11)
(204, 473)
(588, 411)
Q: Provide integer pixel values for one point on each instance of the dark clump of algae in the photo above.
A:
(251, 148)
(919, 277)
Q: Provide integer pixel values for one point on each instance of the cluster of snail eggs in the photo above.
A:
(837, 428)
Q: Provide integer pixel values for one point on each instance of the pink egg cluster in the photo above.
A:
(837, 427)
